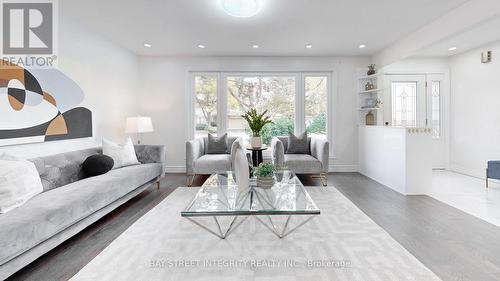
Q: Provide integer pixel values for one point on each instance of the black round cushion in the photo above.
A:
(97, 165)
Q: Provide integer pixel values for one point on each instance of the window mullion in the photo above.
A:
(299, 103)
(222, 103)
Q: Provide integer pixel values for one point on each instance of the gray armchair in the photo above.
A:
(198, 162)
(315, 163)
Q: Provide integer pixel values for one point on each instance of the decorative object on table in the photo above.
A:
(122, 154)
(371, 69)
(265, 175)
(257, 154)
(370, 119)
(19, 182)
(217, 145)
(241, 172)
(97, 164)
(256, 122)
(40, 105)
(369, 86)
(139, 125)
(493, 171)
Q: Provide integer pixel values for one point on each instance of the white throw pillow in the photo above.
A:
(19, 182)
(122, 154)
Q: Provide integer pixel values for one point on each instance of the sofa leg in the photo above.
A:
(189, 180)
(158, 185)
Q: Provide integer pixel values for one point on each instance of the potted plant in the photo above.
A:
(265, 173)
(371, 69)
(256, 122)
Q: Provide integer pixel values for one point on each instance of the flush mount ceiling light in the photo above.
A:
(452, 49)
(241, 8)
(309, 46)
(362, 46)
(147, 45)
(201, 46)
(255, 46)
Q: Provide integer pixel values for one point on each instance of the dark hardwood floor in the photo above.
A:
(453, 244)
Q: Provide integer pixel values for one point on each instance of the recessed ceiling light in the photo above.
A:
(452, 49)
(147, 45)
(309, 46)
(240, 8)
(362, 46)
(255, 46)
(201, 46)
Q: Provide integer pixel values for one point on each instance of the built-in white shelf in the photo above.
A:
(370, 91)
(366, 77)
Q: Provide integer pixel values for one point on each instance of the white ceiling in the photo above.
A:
(471, 38)
(282, 28)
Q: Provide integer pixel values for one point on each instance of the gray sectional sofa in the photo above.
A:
(70, 203)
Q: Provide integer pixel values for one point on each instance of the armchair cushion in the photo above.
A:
(212, 163)
(298, 144)
(302, 163)
(217, 145)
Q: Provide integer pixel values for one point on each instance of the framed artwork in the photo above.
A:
(40, 105)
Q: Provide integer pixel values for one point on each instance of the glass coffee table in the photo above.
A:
(220, 196)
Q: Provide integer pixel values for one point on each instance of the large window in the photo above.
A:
(276, 94)
(295, 101)
(316, 101)
(205, 106)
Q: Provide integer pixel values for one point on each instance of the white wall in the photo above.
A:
(163, 96)
(475, 111)
(108, 76)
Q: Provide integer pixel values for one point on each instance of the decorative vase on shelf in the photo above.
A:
(369, 86)
(370, 119)
(371, 69)
(256, 142)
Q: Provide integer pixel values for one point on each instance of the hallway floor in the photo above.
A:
(468, 194)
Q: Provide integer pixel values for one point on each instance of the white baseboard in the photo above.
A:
(343, 168)
(477, 173)
(176, 169)
(332, 168)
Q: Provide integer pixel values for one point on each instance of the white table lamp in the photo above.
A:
(138, 125)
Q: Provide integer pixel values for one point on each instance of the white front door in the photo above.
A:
(405, 100)
(419, 100)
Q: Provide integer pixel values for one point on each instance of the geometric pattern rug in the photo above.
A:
(340, 244)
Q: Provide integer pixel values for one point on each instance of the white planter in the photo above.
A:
(256, 142)
(265, 182)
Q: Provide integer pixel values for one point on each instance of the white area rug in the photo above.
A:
(340, 244)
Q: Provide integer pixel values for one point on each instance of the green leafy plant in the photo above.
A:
(265, 169)
(256, 121)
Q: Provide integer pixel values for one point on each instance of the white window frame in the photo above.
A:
(299, 101)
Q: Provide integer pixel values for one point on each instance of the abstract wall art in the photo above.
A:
(40, 105)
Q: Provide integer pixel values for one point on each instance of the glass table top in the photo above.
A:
(221, 196)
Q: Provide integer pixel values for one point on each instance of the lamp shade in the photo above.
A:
(139, 124)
